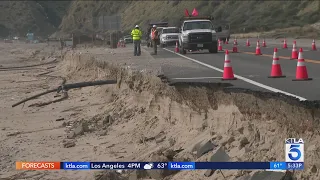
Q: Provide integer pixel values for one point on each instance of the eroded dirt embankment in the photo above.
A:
(173, 122)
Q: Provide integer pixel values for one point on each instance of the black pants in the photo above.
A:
(154, 43)
(137, 47)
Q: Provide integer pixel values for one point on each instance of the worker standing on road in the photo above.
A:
(154, 38)
(136, 37)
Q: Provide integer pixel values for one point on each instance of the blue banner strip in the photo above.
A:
(181, 165)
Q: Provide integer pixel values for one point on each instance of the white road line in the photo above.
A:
(240, 77)
(197, 78)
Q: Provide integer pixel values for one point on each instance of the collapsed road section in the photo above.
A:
(145, 118)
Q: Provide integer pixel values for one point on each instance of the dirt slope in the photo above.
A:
(253, 15)
(156, 119)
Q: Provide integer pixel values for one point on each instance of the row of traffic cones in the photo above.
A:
(121, 44)
(264, 44)
(313, 45)
(294, 54)
(234, 48)
(285, 45)
(276, 72)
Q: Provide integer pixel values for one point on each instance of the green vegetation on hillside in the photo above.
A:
(42, 17)
(46, 17)
(251, 15)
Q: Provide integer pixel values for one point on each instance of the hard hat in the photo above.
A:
(154, 26)
(137, 26)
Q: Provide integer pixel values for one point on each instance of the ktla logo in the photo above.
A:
(294, 150)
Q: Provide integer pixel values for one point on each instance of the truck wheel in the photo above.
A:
(182, 51)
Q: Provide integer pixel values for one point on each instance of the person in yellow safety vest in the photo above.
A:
(154, 38)
(136, 37)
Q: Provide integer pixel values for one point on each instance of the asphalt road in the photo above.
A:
(252, 71)
(285, 53)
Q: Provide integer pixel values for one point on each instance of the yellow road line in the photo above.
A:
(282, 57)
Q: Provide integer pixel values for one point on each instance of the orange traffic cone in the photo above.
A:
(227, 70)
(248, 43)
(294, 54)
(264, 43)
(177, 47)
(285, 45)
(220, 46)
(276, 71)
(235, 48)
(314, 48)
(258, 50)
(301, 72)
(226, 41)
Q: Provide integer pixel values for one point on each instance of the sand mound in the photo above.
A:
(172, 122)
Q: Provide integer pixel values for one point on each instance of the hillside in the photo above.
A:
(42, 17)
(251, 15)
(46, 17)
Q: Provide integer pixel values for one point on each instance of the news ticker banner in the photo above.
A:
(159, 165)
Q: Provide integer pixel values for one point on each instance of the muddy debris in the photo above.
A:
(227, 140)
(79, 130)
(138, 174)
(108, 120)
(266, 175)
(14, 133)
(102, 133)
(68, 143)
(108, 175)
(314, 169)
(243, 142)
(205, 148)
(60, 119)
(170, 154)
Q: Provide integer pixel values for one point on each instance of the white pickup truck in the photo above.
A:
(198, 33)
(169, 36)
